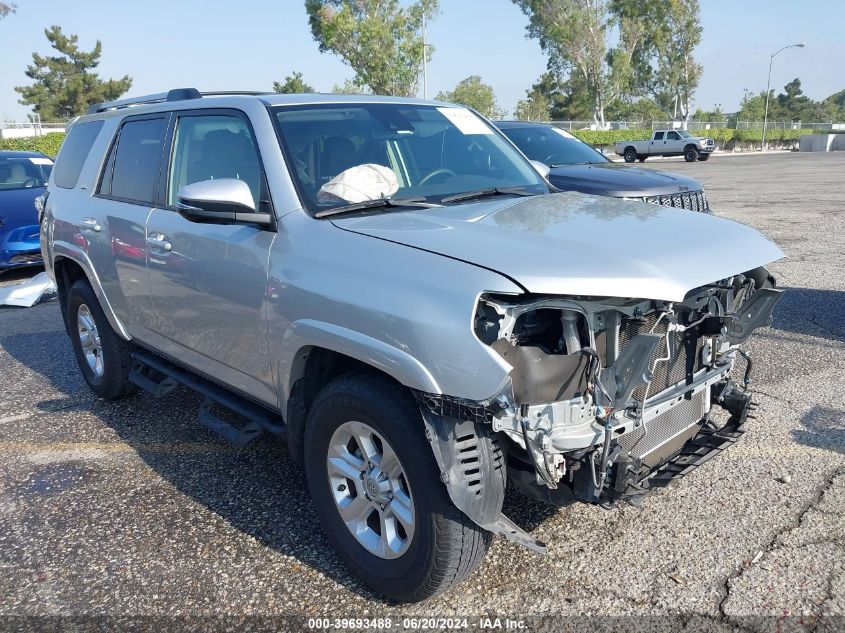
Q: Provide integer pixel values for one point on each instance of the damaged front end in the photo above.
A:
(607, 398)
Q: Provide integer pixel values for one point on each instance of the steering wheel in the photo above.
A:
(30, 182)
(440, 171)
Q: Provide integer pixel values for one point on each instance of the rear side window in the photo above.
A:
(132, 169)
(658, 136)
(74, 153)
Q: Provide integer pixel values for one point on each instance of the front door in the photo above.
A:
(674, 142)
(208, 282)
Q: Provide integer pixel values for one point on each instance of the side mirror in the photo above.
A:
(221, 201)
(542, 168)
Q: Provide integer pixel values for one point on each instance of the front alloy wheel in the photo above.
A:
(378, 494)
(370, 490)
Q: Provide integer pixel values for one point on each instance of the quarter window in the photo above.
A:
(74, 152)
(132, 169)
(209, 147)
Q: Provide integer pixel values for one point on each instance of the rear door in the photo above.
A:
(113, 228)
(658, 143)
(208, 282)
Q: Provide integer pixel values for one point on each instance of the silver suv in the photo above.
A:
(394, 288)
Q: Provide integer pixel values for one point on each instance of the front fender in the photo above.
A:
(306, 333)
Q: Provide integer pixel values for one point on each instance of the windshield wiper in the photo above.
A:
(418, 203)
(484, 193)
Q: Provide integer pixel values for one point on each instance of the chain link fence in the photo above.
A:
(27, 129)
(697, 125)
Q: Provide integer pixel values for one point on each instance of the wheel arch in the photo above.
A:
(316, 352)
(69, 265)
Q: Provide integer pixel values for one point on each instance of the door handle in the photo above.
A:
(89, 224)
(159, 241)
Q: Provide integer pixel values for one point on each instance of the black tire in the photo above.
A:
(690, 154)
(642, 158)
(446, 546)
(630, 155)
(704, 157)
(114, 382)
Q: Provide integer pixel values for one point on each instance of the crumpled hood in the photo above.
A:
(574, 244)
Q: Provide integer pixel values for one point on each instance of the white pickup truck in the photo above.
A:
(667, 143)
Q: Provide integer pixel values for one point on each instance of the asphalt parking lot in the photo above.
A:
(133, 508)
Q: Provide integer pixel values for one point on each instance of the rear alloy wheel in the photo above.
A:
(690, 154)
(630, 155)
(103, 357)
(377, 491)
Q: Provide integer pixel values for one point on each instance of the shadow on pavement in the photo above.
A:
(823, 427)
(813, 312)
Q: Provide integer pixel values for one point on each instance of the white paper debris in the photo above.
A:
(465, 121)
(357, 184)
(28, 293)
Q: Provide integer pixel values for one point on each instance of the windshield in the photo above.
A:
(350, 153)
(552, 146)
(683, 133)
(24, 172)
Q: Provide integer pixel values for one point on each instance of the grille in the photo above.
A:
(663, 428)
(691, 200)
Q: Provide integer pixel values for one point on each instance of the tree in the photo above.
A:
(575, 34)
(380, 40)
(6, 8)
(535, 107)
(476, 94)
(293, 84)
(63, 85)
(636, 110)
(664, 67)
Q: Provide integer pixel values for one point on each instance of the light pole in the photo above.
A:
(769, 88)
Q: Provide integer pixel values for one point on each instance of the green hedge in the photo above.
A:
(608, 138)
(48, 144)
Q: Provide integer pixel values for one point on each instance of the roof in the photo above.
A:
(183, 97)
(513, 124)
(18, 154)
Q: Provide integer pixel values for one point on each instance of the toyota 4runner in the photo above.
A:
(394, 288)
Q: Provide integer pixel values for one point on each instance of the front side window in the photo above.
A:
(552, 146)
(684, 134)
(209, 147)
(673, 136)
(24, 172)
(425, 152)
(133, 166)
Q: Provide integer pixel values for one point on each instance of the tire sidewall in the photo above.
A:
(629, 156)
(691, 155)
(393, 577)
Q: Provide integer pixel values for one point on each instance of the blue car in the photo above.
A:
(23, 177)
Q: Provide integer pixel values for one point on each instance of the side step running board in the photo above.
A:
(158, 376)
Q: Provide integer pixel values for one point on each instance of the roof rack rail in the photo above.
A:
(177, 94)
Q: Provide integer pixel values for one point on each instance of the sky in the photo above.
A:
(246, 45)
